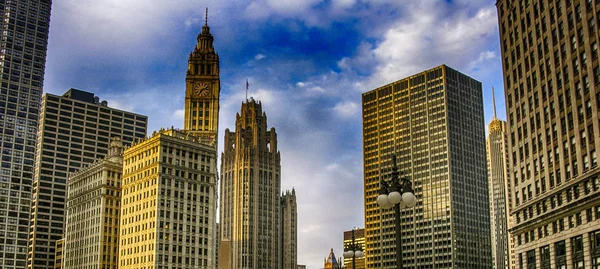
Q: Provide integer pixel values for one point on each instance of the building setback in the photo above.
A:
(75, 129)
(433, 122)
(250, 209)
(23, 44)
(167, 203)
(551, 77)
(93, 206)
(497, 159)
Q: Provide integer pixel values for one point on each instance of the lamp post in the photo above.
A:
(353, 250)
(397, 193)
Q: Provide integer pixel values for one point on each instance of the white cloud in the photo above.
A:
(346, 109)
(259, 57)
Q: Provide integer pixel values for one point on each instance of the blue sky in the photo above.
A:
(308, 61)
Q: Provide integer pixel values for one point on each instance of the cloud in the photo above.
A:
(259, 57)
(346, 109)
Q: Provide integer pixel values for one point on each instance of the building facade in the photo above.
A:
(167, 203)
(331, 261)
(359, 239)
(497, 159)
(93, 206)
(250, 209)
(74, 130)
(23, 45)
(203, 88)
(551, 76)
(433, 121)
(289, 228)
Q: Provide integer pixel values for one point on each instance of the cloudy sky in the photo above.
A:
(308, 61)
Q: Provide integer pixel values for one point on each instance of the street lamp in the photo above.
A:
(397, 193)
(354, 251)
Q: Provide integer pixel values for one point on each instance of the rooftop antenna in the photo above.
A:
(247, 85)
(494, 102)
(206, 18)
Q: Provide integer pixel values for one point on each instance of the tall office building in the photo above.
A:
(289, 228)
(23, 44)
(433, 121)
(75, 129)
(497, 158)
(203, 88)
(551, 77)
(359, 239)
(93, 204)
(167, 203)
(250, 210)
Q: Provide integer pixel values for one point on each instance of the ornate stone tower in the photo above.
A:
(202, 89)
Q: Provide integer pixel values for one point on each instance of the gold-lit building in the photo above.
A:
(203, 88)
(92, 220)
(167, 204)
(331, 261)
(58, 254)
(251, 206)
(433, 121)
(497, 159)
(359, 239)
(74, 130)
(551, 78)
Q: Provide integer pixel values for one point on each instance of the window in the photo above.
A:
(531, 259)
(577, 254)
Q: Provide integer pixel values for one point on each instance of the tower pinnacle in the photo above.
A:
(494, 102)
(206, 18)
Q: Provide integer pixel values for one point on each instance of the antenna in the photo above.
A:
(206, 17)
(494, 102)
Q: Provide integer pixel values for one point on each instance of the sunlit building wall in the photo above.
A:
(167, 204)
(433, 121)
(289, 230)
(359, 239)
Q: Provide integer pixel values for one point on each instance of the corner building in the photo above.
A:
(167, 203)
(75, 129)
(93, 205)
(289, 229)
(23, 44)
(250, 210)
(433, 121)
(551, 77)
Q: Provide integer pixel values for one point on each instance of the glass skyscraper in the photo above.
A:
(433, 121)
(23, 42)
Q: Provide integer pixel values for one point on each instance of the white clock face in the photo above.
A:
(201, 88)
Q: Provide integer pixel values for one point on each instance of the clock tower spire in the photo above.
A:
(203, 89)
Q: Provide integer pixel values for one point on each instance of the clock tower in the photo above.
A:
(202, 89)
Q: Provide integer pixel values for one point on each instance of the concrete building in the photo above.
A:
(359, 239)
(551, 75)
(497, 159)
(167, 203)
(433, 121)
(23, 44)
(250, 209)
(75, 129)
(301, 266)
(93, 206)
(58, 254)
(289, 229)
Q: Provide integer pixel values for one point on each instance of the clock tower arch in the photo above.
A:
(203, 88)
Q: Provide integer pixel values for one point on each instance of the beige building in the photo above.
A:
(433, 121)
(551, 77)
(203, 88)
(250, 208)
(167, 204)
(24, 41)
(497, 159)
(289, 229)
(359, 239)
(93, 206)
(58, 256)
(74, 130)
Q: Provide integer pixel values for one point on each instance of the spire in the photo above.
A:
(494, 102)
(206, 18)
(205, 39)
(205, 28)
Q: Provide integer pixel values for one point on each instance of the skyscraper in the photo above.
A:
(497, 155)
(551, 76)
(289, 228)
(75, 129)
(91, 237)
(203, 89)
(433, 121)
(167, 204)
(250, 210)
(23, 44)
(359, 239)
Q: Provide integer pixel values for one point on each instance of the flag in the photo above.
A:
(247, 84)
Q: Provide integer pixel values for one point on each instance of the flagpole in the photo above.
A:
(247, 90)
